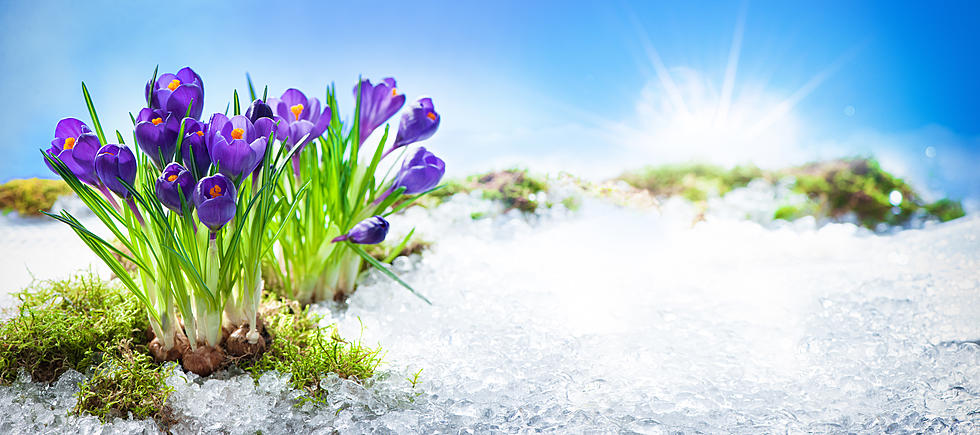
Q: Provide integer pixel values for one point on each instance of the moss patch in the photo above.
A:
(515, 188)
(305, 351)
(834, 189)
(126, 382)
(61, 324)
(694, 181)
(31, 196)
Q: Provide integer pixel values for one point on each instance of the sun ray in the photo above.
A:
(728, 85)
(788, 104)
(676, 99)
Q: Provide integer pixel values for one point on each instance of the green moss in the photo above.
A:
(858, 186)
(515, 188)
(305, 351)
(946, 209)
(61, 324)
(31, 196)
(787, 212)
(126, 382)
(693, 181)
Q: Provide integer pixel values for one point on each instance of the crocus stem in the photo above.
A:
(132, 206)
(108, 195)
(382, 197)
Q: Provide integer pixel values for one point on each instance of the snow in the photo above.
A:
(620, 320)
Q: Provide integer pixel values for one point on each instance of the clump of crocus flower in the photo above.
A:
(321, 262)
(202, 205)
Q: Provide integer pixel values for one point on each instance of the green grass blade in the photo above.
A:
(377, 265)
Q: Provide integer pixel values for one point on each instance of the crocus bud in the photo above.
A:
(176, 92)
(417, 124)
(367, 232)
(174, 181)
(156, 134)
(378, 103)
(215, 199)
(195, 144)
(419, 173)
(258, 110)
(114, 162)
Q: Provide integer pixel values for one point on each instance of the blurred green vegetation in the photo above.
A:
(515, 188)
(833, 188)
(31, 196)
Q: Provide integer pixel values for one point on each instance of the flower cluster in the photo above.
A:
(203, 205)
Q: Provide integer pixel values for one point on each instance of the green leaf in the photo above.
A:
(95, 116)
(398, 249)
(373, 262)
(251, 89)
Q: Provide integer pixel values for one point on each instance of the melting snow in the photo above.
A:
(618, 320)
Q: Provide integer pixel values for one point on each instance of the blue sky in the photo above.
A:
(594, 88)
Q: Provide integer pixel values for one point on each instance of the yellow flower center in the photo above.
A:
(156, 121)
(236, 134)
(173, 84)
(172, 177)
(297, 110)
(394, 92)
(215, 191)
(69, 143)
(200, 133)
(431, 115)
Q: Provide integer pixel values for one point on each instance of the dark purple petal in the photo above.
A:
(215, 198)
(233, 158)
(194, 141)
(84, 151)
(160, 99)
(420, 173)
(114, 162)
(70, 127)
(157, 137)
(186, 95)
(258, 110)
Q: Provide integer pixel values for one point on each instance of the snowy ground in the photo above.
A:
(614, 320)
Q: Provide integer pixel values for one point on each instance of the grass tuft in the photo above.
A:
(60, 325)
(308, 353)
(126, 383)
(30, 196)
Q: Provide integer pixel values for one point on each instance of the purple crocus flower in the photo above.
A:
(419, 173)
(172, 182)
(234, 145)
(194, 143)
(175, 92)
(114, 162)
(417, 124)
(367, 232)
(302, 115)
(76, 146)
(156, 134)
(378, 103)
(215, 198)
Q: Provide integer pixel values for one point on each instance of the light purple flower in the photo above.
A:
(378, 104)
